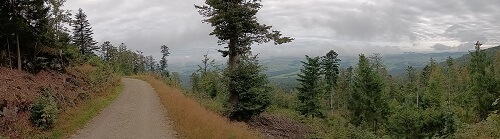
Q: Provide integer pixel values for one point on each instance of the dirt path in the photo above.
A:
(136, 114)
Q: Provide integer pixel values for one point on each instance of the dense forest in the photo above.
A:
(443, 100)
(458, 98)
(39, 34)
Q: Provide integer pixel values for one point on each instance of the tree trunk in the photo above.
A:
(331, 99)
(8, 51)
(234, 57)
(417, 98)
(18, 53)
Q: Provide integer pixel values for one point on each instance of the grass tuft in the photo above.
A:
(193, 121)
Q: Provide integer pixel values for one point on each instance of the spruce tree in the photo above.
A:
(194, 79)
(108, 51)
(378, 65)
(366, 102)
(150, 63)
(435, 89)
(25, 25)
(139, 62)
(82, 34)
(122, 47)
(344, 87)
(310, 88)
(235, 24)
(426, 73)
(411, 83)
(330, 65)
(253, 89)
(452, 77)
(163, 62)
(58, 18)
(482, 83)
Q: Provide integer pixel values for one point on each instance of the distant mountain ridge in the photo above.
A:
(490, 53)
(284, 70)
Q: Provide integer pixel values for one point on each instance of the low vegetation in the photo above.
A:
(75, 118)
(44, 111)
(442, 100)
(191, 119)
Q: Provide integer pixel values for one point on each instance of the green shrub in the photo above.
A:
(358, 133)
(72, 55)
(44, 111)
(332, 127)
(283, 99)
(489, 128)
(102, 73)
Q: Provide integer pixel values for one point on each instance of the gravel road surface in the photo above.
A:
(136, 114)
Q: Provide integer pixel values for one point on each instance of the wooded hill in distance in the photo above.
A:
(283, 71)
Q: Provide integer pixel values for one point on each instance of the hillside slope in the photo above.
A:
(490, 52)
(19, 90)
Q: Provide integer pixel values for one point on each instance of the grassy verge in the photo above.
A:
(193, 121)
(69, 121)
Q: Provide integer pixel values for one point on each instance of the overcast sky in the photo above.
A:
(349, 27)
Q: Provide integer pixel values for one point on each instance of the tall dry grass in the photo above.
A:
(193, 121)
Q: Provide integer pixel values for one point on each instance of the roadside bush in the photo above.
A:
(44, 111)
(102, 72)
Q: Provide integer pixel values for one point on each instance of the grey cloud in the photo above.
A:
(465, 46)
(347, 26)
(461, 47)
(441, 47)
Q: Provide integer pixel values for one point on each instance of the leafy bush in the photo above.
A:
(44, 111)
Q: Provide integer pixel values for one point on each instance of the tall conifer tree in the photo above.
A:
(330, 65)
(82, 34)
(311, 88)
(366, 102)
(235, 24)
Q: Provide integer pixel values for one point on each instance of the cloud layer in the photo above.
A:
(347, 26)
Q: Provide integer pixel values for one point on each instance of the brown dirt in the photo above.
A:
(278, 127)
(19, 90)
(136, 114)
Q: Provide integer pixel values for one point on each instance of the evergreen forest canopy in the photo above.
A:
(455, 99)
